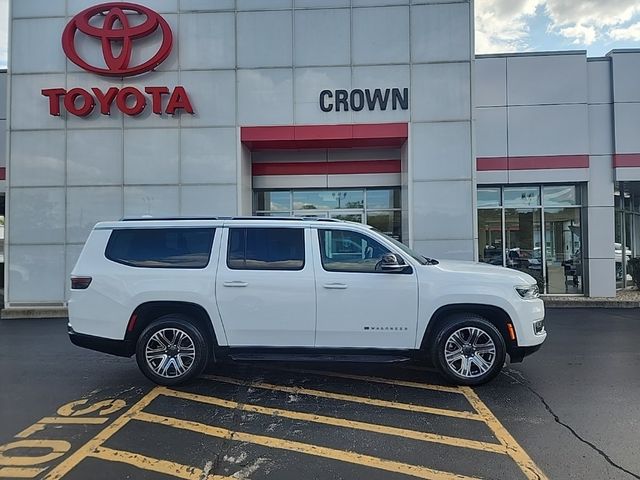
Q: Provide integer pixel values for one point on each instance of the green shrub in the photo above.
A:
(633, 266)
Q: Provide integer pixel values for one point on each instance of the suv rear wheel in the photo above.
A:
(171, 350)
(468, 349)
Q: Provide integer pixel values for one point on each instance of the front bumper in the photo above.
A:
(121, 348)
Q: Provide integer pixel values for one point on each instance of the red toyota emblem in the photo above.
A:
(116, 31)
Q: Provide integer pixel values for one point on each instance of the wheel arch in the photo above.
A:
(494, 314)
(147, 312)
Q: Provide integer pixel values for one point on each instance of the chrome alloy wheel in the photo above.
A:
(470, 352)
(170, 352)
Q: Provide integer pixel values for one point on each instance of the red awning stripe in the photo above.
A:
(626, 160)
(325, 136)
(545, 162)
(327, 168)
(3, 173)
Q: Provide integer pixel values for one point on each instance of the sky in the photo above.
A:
(503, 26)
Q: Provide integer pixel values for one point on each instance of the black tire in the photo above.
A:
(190, 353)
(471, 373)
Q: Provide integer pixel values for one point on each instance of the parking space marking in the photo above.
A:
(154, 464)
(339, 422)
(76, 457)
(348, 398)
(43, 422)
(387, 381)
(514, 450)
(22, 472)
(299, 447)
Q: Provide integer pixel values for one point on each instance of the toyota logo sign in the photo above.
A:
(115, 30)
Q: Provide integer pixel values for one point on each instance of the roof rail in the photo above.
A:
(160, 219)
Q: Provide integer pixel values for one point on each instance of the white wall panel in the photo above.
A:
(600, 181)
(3, 144)
(208, 155)
(29, 109)
(440, 33)
(151, 156)
(309, 82)
(322, 37)
(441, 151)
(383, 77)
(37, 158)
(602, 277)
(380, 35)
(491, 131)
(213, 96)
(158, 201)
(599, 78)
(3, 94)
(42, 211)
(29, 54)
(206, 5)
(626, 68)
(264, 39)
(265, 97)
(290, 181)
(548, 130)
(442, 210)
(601, 232)
(87, 206)
(160, 6)
(490, 82)
(546, 79)
(208, 200)
(600, 129)
(321, 3)
(147, 118)
(364, 180)
(216, 31)
(492, 176)
(261, 4)
(37, 8)
(627, 174)
(37, 273)
(440, 92)
(549, 175)
(627, 119)
(94, 157)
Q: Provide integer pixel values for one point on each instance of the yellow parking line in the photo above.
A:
(154, 465)
(20, 472)
(514, 450)
(349, 398)
(388, 381)
(339, 422)
(339, 455)
(76, 457)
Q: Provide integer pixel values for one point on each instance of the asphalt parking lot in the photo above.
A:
(569, 412)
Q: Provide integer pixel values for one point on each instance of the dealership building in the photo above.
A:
(374, 111)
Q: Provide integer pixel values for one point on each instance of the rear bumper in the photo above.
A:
(517, 354)
(121, 348)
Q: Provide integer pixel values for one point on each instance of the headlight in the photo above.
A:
(528, 291)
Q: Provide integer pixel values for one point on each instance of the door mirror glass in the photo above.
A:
(390, 263)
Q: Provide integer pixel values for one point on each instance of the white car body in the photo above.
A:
(309, 308)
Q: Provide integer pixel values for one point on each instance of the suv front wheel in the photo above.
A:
(468, 349)
(171, 350)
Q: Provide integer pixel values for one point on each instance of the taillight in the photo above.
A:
(80, 283)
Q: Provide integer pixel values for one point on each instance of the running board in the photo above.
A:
(355, 358)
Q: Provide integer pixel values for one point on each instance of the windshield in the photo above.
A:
(413, 254)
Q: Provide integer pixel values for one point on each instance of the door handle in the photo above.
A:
(235, 283)
(335, 286)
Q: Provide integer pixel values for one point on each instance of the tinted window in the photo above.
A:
(161, 247)
(345, 251)
(266, 249)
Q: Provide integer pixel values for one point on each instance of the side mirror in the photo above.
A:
(389, 263)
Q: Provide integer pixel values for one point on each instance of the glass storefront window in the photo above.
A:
(389, 222)
(327, 199)
(273, 201)
(524, 241)
(560, 196)
(521, 196)
(383, 198)
(490, 248)
(489, 197)
(563, 250)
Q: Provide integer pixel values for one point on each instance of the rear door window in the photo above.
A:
(266, 249)
(161, 247)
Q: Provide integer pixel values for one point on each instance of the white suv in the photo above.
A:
(179, 293)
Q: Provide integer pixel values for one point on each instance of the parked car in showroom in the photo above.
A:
(179, 293)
